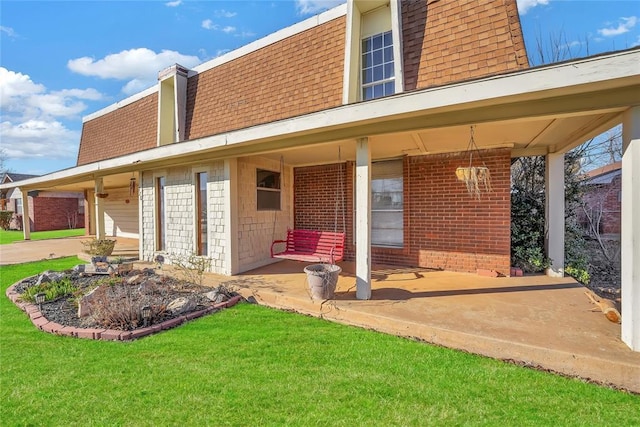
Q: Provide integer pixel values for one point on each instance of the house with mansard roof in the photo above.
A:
(393, 122)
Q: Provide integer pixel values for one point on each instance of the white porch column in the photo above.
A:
(99, 203)
(231, 263)
(363, 219)
(630, 233)
(554, 213)
(26, 222)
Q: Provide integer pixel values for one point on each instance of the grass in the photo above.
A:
(10, 236)
(250, 365)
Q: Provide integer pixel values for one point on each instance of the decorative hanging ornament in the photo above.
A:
(132, 186)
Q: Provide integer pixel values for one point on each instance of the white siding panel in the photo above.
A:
(121, 213)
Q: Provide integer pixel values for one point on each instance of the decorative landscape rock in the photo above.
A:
(85, 304)
(181, 305)
(217, 296)
(49, 276)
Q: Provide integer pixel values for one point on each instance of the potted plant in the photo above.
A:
(99, 247)
(322, 280)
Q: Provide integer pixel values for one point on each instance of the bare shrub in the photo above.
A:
(191, 267)
(119, 305)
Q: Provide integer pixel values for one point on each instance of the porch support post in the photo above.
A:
(99, 204)
(554, 213)
(26, 222)
(231, 263)
(363, 219)
(630, 232)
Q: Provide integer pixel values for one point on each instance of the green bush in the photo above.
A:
(52, 290)
(5, 219)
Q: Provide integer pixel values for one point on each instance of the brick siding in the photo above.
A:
(54, 213)
(448, 41)
(126, 130)
(298, 75)
(445, 228)
(603, 200)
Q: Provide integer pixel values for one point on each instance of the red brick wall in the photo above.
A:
(295, 76)
(50, 213)
(448, 41)
(445, 228)
(603, 200)
(126, 130)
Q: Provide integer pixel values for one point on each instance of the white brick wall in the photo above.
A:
(217, 243)
(256, 229)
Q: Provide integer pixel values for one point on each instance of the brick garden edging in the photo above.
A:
(42, 323)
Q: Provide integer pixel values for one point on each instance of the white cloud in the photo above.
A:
(22, 99)
(208, 24)
(173, 3)
(308, 7)
(224, 13)
(39, 139)
(8, 31)
(624, 25)
(139, 66)
(33, 117)
(245, 34)
(525, 5)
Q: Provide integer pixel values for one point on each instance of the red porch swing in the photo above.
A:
(314, 245)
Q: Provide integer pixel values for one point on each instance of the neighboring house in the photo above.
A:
(48, 210)
(601, 207)
(357, 120)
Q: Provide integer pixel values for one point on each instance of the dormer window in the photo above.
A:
(378, 76)
(373, 50)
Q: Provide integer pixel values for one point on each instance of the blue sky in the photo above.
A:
(62, 60)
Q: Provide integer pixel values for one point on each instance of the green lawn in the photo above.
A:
(250, 365)
(9, 236)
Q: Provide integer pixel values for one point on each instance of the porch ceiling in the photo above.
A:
(525, 137)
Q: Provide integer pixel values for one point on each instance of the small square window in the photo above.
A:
(268, 190)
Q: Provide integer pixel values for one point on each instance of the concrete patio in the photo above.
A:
(534, 320)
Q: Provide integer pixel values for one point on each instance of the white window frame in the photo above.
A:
(268, 189)
(384, 64)
(399, 244)
(196, 215)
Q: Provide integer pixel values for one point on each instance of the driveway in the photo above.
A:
(36, 250)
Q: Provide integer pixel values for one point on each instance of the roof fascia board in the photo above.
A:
(489, 95)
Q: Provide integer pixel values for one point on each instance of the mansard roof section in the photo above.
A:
(129, 128)
(294, 76)
(451, 41)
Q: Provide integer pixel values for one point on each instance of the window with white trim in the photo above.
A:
(201, 180)
(18, 210)
(268, 190)
(378, 77)
(387, 204)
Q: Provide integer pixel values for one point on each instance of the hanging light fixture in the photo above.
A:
(132, 185)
